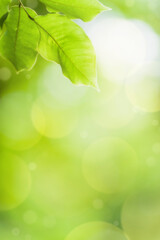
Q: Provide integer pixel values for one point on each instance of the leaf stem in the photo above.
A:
(21, 5)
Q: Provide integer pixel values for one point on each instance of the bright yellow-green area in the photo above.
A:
(4, 6)
(77, 164)
(15, 181)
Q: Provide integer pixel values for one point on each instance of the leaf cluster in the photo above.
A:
(55, 36)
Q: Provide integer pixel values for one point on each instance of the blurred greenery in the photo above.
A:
(80, 164)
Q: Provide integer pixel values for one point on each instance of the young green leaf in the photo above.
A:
(4, 6)
(66, 43)
(83, 9)
(20, 40)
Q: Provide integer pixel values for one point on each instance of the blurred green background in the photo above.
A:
(77, 164)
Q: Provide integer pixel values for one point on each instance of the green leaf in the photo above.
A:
(20, 39)
(4, 6)
(66, 43)
(83, 9)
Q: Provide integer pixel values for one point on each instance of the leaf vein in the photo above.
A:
(17, 32)
(61, 49)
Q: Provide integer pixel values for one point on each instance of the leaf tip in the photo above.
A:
(105, 8)
(96, 87)
(109, 9)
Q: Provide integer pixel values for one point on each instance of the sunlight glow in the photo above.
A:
(122, 45)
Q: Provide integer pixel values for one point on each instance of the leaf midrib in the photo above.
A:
(17, 32)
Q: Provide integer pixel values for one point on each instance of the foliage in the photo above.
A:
(54, 36)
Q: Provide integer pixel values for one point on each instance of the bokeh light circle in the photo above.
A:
(115, 112)
(143, 87)
(53, 119)
(16, 128)
(108, 164)
(15, 181)
(141, 216)
(96, 231)
(5, 74)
